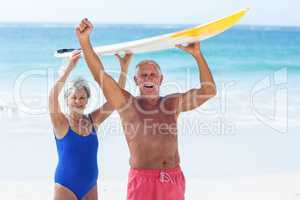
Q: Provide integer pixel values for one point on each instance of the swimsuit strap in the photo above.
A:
(91, 119)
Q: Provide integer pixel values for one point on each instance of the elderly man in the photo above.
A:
(150, 120)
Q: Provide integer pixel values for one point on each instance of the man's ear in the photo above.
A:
(161, 79)
(135, 79)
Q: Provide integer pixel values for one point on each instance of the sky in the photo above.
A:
(263, 12)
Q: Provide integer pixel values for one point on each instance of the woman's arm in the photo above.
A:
(58, 119)
(100, 114)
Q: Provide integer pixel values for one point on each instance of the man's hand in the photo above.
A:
(197, 96)
(125, 61)
(84, 29)
(193, 49)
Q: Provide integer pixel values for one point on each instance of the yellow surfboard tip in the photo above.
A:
(212, 28)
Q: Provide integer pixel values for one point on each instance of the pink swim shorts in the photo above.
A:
(156, 184)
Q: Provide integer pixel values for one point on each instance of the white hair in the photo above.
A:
(147, 61)
(77, 84)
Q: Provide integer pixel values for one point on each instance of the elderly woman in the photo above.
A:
(75, 134)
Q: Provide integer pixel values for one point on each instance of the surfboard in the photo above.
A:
(166, 41)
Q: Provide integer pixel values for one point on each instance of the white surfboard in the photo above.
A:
(167, 41)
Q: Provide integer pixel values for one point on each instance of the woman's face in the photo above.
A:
(77, 100)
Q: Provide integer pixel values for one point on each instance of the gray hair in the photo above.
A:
(148, 61)
(77, 84)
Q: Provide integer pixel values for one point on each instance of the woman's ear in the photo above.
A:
(67, 102)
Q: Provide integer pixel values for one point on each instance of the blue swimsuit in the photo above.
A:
(77, 167)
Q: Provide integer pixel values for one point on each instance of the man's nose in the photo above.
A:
(148, 78)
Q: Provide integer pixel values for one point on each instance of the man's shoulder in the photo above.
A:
(127, 94)
(171, 97)
(171, 100)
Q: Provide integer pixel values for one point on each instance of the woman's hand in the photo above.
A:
(74, 59)
(124, 61)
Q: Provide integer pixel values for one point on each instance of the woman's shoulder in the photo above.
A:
(60, 126)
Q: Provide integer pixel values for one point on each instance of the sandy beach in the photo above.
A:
(273, 187)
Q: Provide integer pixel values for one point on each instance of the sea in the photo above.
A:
(250, 128)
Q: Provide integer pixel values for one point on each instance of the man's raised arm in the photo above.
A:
(115, 95)
(195, 97)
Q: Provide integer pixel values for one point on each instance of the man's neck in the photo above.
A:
(150, 100)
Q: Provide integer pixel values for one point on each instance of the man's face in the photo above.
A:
(148, 78)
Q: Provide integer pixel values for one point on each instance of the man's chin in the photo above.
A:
(149, 94)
